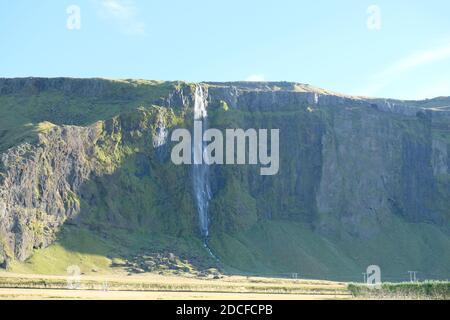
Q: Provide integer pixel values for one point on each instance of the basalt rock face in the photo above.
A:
(362, 160)
(349, 169)
(47, 182)
(39, 186)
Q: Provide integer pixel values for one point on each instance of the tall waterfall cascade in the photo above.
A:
(200, 171)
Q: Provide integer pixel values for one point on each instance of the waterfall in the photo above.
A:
(200, 170)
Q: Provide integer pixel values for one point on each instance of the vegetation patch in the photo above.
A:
(419, 290)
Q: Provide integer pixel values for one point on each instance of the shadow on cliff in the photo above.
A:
(142, 215)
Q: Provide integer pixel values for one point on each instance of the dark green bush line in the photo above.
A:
(418, 290)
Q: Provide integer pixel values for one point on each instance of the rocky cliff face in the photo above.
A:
(40, 185)
(364, 159)
(350, 168)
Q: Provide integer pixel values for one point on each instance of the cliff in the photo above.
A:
(362, 181)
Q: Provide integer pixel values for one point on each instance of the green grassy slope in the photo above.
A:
(22, 111)
(274, 249)
(112, 251)
(282, 247)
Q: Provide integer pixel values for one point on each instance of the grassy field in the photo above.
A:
(155, 286)
(26, 294)
(151, 286)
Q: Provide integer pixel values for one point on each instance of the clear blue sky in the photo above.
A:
(324, 43)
